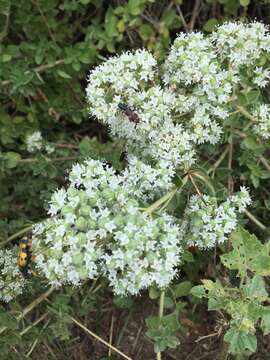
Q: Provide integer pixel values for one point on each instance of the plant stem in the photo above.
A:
(31, 306)
(265, 163)
(246, 113)
(160, 314)
(255, 220)
(17, 234)
(219, 161)
(64, 158)
(165, 199)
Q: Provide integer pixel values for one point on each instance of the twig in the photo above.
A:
(182, 18)
(100, 339)
(111, 338)
(195, 13)
(200, 338)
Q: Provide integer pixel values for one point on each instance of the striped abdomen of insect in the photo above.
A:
(25, 254)
(131, 114)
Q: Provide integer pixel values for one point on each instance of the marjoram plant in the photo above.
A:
(134, 226)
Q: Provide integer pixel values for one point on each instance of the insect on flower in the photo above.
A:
(131, 114)
(25, 254)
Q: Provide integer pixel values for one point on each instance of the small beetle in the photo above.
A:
(131, 114)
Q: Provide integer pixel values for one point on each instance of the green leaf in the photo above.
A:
(182, 289)
(168, 302)
(135, 7)
(198, 291)
(244, 3)
(153, 293)
(123, 302)
(146, 31)
(255, 289)
(251, 142)
(63, 74)
(210, 25)
(111, 23)
(169, 16)
(252, 97)
(86, 146)
(240, 342)
(12, 159)
(187, 256)
(6, 58)
(248, 254)
(265, 322)
(7, 319)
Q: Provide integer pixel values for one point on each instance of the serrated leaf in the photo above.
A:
(208, 284)
(248, 254)
(240, 342)
(255, 289)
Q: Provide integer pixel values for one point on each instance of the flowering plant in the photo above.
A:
(133, 226)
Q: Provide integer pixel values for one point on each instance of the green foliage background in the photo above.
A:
(47, 48)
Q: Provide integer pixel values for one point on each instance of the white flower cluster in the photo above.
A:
(262, 121)
(97, 227)
(262, 76)
(242, 44)
(209, 224)
(143, 252)
(187, 104)
(35, 142)
(12, 281)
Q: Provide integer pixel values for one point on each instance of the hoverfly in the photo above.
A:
(25, 254)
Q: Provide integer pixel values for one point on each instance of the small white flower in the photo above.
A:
(34, 142)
